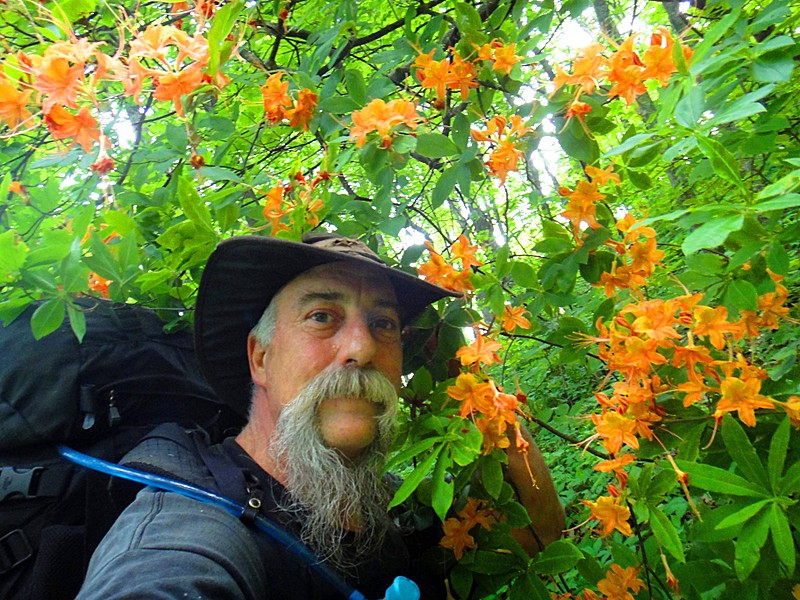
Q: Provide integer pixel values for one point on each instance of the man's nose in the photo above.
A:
(358, 344)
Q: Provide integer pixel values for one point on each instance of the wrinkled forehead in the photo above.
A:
(363, 283)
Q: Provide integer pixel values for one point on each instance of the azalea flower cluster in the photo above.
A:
(503, 134)
(703, 343)
(287, 198)
(387, 119)
(625, 71)
(457, 529)
(481, 399)
(279, 106)
(455, 73)
(636, 255)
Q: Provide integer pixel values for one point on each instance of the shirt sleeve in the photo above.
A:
(167, 546)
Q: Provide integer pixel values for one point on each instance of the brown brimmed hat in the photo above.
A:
(242, 276)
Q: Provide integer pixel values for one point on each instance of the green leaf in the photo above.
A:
(691, 107)
(714, 479)
(492, 476)
(356, 86)
(742, 451)
(742, 515)
(414, 478)
(774, 66)
(221, 25)
(435, 145)
(790, 483)
(629, 144)
(445, 184)
(339, 105)
(712, 233)
(47, 317)
(782, 537)
(442, 492)
(558, 557)
(77, 320)
(665, 532)
(747, 549)
(722, 161)
(192, 204)
(778, 448)
(529, 587)
(412, 451)
(786, 201)
(492, 563)
(12, 256)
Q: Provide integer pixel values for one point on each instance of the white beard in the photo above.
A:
(328, 492)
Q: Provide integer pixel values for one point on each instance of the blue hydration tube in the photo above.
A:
(401, 588)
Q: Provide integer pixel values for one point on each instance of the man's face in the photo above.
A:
(335, 315)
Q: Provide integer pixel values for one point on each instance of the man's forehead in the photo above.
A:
(344, 279)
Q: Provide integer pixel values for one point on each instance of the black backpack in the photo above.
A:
(100, 397)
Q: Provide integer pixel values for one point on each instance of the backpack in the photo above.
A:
(100, 396)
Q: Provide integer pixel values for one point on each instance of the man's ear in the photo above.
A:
(257, 359)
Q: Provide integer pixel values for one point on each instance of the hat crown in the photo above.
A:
(343, 245)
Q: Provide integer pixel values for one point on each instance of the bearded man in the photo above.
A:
(310, 334)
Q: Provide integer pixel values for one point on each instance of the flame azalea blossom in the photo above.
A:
(611, 514)
(99, 284)
(616, 430)
(587, 69)
(581, 207)
(618, 581)
(383, 118)
(463, 251)
(513, 318)
(602, 176)
(473, 514)
(743, 397)
(13, 104)
(15, 187)
(482, 350)
(457, 537)
(657, 59)
(276, 208)
(302, 112)
(473, 395)
(276, 100)
(501, 56)
(578, 109)
(432, 74)
(505, 155)
(82, 128)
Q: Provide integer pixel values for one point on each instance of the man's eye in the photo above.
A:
(385, 324)
(320, 317)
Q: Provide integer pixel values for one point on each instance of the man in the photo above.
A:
(311, 334)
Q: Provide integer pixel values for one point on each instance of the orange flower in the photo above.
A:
(473, 395)
(13, 104)
(792, 408)
(432, 74)
(712, 322)
(99, 284)
(276, 100)
(611, 514)
(466, 253)
(626, 71)
(602, 176)
(482, 350)
(581, 206)
(504, 159)
(578, 109)
(505, 156)
(504, 58)
(617, 465)
(472, 514)
(462, 76)
(15, 187)
(383, 117)
(276, 208)
(437, 270)
(587, 69)
(618, 581)
(81, 127)
(743, 397)
(58, 81)
(615, 430)
(513, 318)
(172, 86)
(657, 58)
(303, 111)
(644, 256)
(457, 537)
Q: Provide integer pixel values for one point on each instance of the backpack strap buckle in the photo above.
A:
(15, 549)
(16, 482)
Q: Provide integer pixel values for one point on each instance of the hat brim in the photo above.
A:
(242, 276)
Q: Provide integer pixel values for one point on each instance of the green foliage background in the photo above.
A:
(712, 161)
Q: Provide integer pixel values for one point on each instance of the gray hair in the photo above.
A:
(265, 328)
